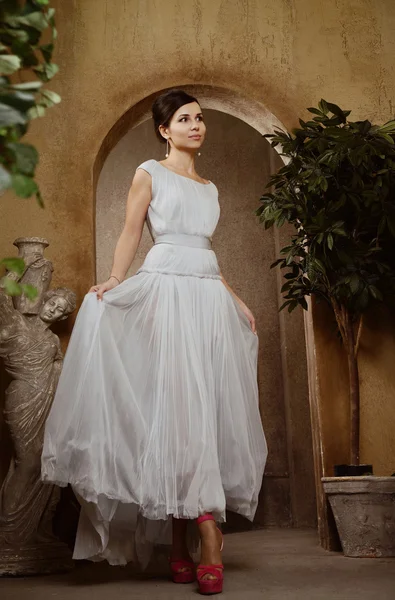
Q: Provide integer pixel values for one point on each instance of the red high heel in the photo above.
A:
(179, 576)
(210, 586)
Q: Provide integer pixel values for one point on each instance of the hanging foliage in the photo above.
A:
(25, 65)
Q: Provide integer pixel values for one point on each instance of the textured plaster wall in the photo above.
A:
(283, 55)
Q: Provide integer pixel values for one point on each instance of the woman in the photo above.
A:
(155, 421)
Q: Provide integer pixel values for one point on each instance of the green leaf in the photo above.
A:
(292, 305)
(9, 63)
(375, 292)
(324, 184)
(315, 111)
(289, 259)
(286, 286)
(336, 110)
(330, 241)
(14, 264)
(354, 283)
(365, 126)
(11, 287)
(50, 98)
(21, 38)
(10, 116)
(20, 100)
(388, 127)
(23, 185)
(26, 157)
(5, 179)
(27, 86)
(319, 265)
(30, 291)
(276, 262)
(322, 105)
(363, 299)
(387, 137)
(36, 111)
(286, 303)
(46, 71)
(37, 20)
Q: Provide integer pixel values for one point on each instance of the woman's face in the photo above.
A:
(53, 309)
(187, 129)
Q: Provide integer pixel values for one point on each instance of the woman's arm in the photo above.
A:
(243, 306)
(138, 201)
(137, 204)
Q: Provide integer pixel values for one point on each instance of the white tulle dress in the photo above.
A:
(156, 410)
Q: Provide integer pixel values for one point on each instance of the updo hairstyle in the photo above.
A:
(166, 105)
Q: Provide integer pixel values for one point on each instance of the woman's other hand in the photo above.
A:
(100, 288)
(249, 316)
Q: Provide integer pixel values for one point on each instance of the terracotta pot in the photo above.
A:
(364, 511)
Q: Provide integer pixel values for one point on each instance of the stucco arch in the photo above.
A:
(218, 98)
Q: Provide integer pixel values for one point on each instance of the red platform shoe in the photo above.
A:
(182, 576)
(210, 586)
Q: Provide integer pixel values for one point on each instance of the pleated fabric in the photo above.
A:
(156, 411)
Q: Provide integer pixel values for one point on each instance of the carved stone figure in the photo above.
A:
(32, 357)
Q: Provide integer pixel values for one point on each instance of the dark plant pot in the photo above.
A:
(352, 470)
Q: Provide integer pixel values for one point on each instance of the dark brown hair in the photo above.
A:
(166, 105)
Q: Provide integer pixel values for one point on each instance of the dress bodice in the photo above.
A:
(180, 204)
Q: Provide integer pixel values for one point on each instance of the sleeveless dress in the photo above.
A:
(156, 411)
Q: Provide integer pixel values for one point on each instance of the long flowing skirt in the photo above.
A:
(156, 412)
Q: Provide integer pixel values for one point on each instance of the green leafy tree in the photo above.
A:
(25, 65)
(337, 189)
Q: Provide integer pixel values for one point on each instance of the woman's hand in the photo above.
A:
(100, 288)
(249, 316)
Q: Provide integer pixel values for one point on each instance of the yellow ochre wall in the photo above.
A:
(282, 55)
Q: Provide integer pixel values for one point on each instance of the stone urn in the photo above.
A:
(39, 274)
(364, 511)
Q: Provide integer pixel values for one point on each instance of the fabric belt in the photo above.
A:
(184, 239)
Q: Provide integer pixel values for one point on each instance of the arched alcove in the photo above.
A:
(240, 161)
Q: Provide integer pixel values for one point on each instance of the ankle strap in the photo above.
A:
(206, 517)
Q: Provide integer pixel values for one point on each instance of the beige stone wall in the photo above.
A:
(277, 56)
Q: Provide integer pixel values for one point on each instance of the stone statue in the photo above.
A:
(32, 357)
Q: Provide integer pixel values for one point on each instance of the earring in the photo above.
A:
(199, 153)
(167, 148)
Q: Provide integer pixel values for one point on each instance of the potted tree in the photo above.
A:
(337, 189)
